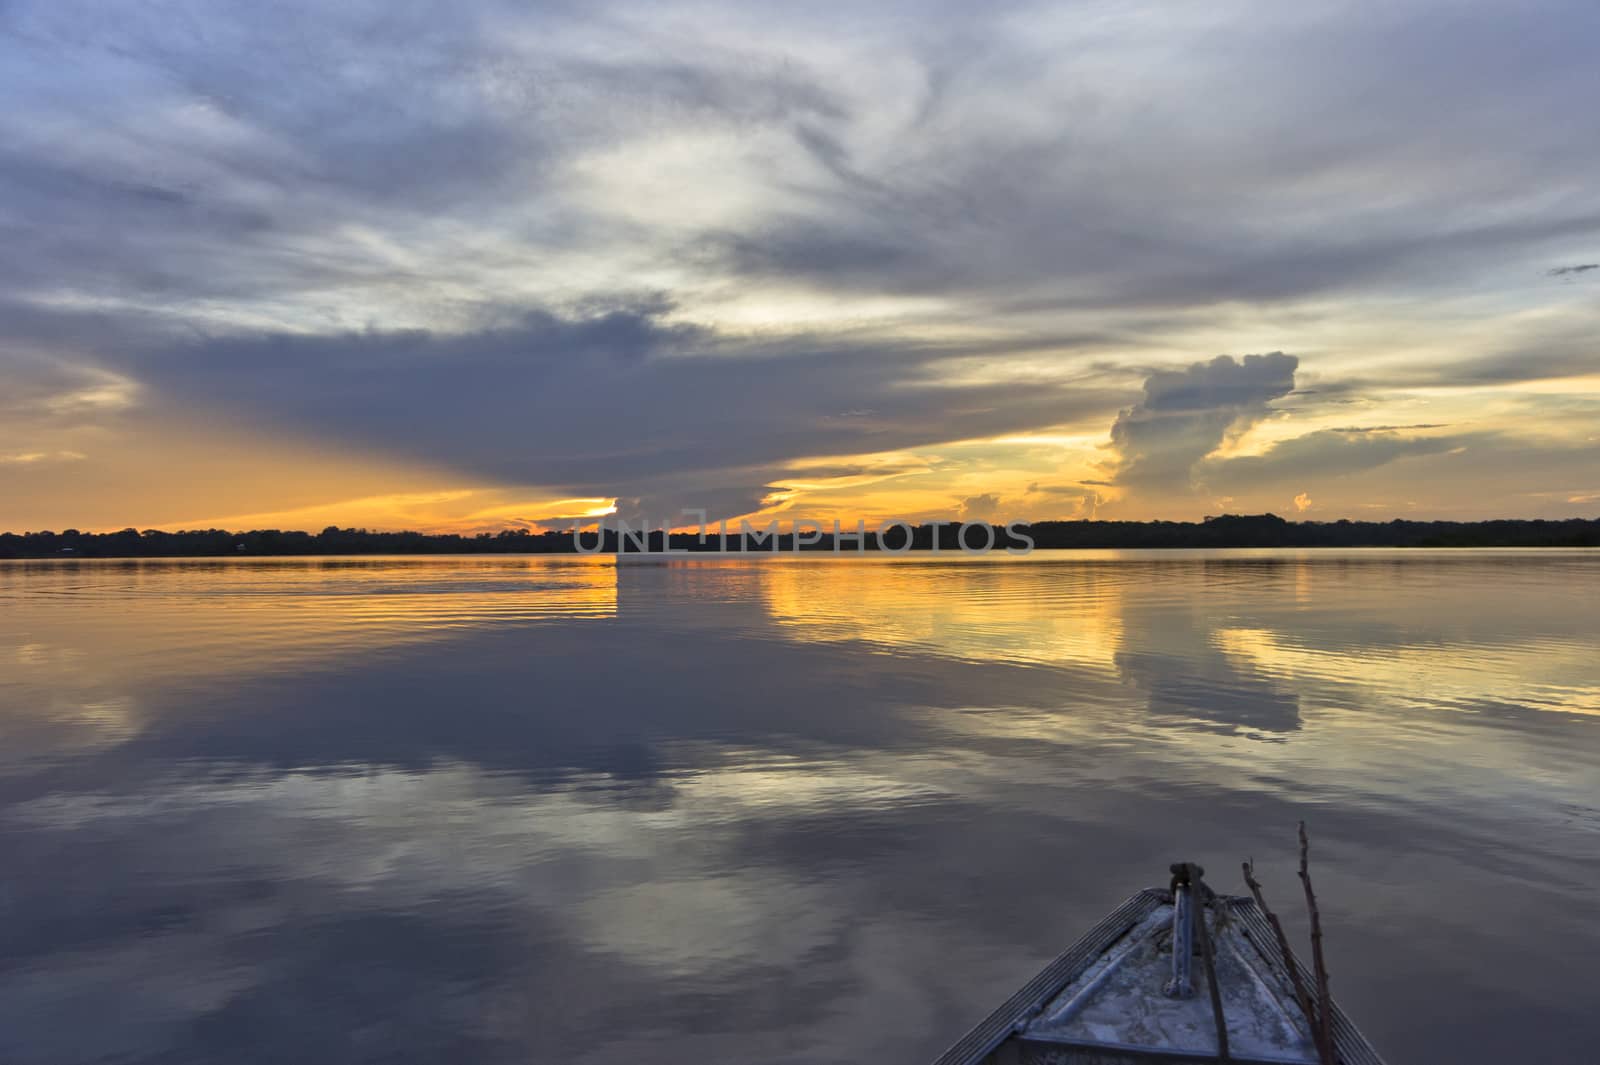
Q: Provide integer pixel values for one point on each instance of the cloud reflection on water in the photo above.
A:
(717, 810)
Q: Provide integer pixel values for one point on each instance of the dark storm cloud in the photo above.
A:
(1186, 414)
(618, 402)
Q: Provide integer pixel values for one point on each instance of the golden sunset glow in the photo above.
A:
(786, 281)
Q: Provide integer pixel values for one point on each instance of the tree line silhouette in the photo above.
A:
(1263, 530)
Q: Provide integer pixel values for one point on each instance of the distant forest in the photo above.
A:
(1265, 530)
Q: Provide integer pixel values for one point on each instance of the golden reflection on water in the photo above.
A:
(1345, 659)
(94, 641)
(985, 610)
(1240, 640)
(1539, 673)
(1411, 628)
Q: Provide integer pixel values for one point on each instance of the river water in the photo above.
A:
(814, 809)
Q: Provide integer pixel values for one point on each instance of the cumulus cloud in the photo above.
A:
(985, 507)
(1186, 414)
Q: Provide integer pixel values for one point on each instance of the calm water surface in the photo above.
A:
(789, 810)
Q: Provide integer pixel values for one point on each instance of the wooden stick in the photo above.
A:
(1304, 999)
(1209, 956)
(1319, 966)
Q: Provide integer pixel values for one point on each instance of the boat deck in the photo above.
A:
(1102, 1001)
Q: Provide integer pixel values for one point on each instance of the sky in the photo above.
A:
(506, 264)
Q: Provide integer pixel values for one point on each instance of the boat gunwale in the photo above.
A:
(1028, 1000)
(1349, 1045)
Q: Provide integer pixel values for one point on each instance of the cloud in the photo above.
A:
(1487, 352)
(29, 458)
(376, 162)
(1320, 455)
(43, 391)
(1572, 271)
(1186, 414)
(1302, 502)
(985, 507)
(1472, 475)
(619, 401)
(1385, 428)
(400, 232)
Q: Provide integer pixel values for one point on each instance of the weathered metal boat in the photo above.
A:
(1175, 976)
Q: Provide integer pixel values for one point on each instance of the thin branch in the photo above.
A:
(1300, 994)
(1318, 964)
